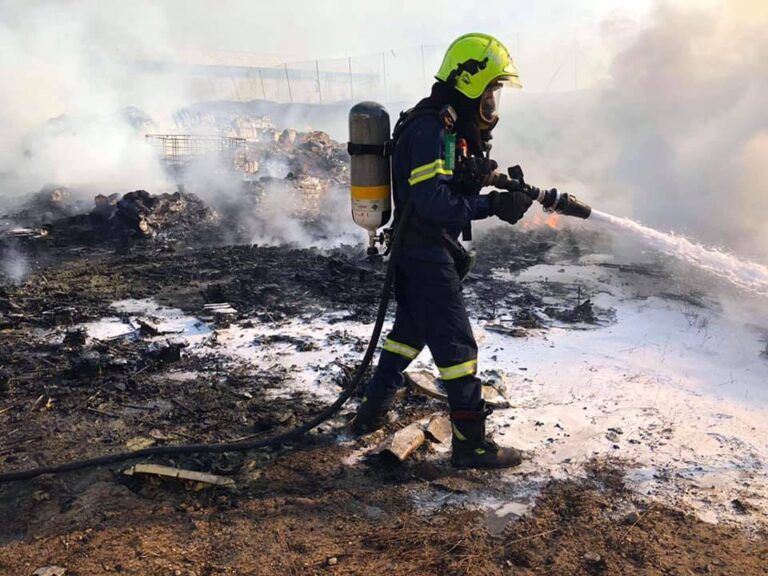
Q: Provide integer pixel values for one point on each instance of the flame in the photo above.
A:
(537, 220)
(553, 220)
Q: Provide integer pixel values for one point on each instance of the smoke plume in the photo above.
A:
(67, 71)
(677, 136)
(14, 265)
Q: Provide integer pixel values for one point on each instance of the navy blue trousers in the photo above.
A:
(431, 311)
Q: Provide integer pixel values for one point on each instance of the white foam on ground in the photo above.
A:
(250, 347)
(684, 390)
(308, 371)
(172, 322)
(679, 392)
(168, 320)
(107, 328)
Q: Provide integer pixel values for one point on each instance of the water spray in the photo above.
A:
(749, 276)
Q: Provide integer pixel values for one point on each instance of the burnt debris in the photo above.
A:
(253, 175)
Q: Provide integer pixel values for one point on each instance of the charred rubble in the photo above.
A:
(238, 285)
(115, 219)
(143, 386)
(171, 247)
(263, 167)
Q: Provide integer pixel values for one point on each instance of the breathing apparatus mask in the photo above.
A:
(489, 105)
(488, 113)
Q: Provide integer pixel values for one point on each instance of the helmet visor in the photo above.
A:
(489, 103)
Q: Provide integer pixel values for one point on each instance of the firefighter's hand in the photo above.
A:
(482, 169)
(476, 172)
(509, 206)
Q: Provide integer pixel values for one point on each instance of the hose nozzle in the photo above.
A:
(566, 204)
(551, 200)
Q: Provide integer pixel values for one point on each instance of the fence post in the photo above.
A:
(234, 85)
(351, 90)
(261, 79)
(319, 90)
(423, 69)
(384, 73)
(575, 65)
(290, 94)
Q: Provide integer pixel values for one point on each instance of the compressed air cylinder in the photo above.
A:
(370, 175)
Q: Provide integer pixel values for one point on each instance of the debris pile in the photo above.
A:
(277, 171)
(299, 168)
(582, 312)
(49, 204)
(298, 197)
(249, 127)
(270, 150)
(402, 444)
(178, 216)
(141, 214)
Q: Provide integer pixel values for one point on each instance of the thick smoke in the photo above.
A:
(677, 136)
(273, 222)
(68, 75)
(273, 211)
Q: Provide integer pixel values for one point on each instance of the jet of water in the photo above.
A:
(747, 275)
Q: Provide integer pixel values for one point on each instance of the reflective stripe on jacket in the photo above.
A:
(420, 171)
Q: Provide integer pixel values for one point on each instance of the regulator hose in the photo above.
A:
(245, 445)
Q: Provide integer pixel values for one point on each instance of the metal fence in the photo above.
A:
(387, 76)
(390, 76)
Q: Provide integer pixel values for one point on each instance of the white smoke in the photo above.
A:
(14, 266)
(676, 137)
(276, 220)
(67, 69)
(272, 210)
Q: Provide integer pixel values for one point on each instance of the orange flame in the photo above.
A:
(538, 220)
(552, 220)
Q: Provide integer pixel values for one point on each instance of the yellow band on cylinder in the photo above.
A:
(370, 192)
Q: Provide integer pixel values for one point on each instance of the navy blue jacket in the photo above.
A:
(440, 208)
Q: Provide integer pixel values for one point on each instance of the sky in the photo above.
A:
(334, 28)
(541, 35)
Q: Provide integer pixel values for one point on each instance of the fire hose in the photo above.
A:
(551, 200)
(254, 444)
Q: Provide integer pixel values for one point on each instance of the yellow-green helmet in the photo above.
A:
(475, 60)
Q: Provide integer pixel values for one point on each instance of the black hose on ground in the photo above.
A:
(244, 445)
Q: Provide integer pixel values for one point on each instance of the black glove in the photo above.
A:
(475, 172)
(509, 206)
(481, 168)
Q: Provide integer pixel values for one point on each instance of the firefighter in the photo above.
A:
(440, 162)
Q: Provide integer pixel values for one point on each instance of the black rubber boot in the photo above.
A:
(471, 449)
(369, 418)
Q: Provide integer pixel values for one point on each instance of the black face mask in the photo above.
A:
(469, 125)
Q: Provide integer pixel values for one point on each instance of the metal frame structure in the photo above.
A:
(178, 150)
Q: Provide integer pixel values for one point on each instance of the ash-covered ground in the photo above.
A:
(637, 390)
